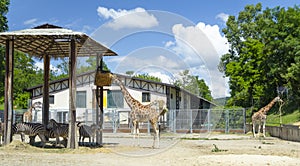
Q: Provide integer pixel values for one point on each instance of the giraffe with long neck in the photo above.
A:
(27, 116)
(141, 113)
(259, 118)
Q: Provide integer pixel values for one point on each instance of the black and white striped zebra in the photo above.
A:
(30, 129)
(86, 131)
(1, 133)
(56, 130)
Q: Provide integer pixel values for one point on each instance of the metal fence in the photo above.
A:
(206, 120)
(201, 120)
(177, 121)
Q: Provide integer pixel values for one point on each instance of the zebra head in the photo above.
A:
(52, 124)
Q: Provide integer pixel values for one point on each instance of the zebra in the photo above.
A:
(30, 129)
(87, 131)
(56, 130)
(1, 132)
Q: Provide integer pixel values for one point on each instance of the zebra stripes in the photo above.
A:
(86, 131)
(30, 129)
(56, 130)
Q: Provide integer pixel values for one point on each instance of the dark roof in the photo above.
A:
(53, 40)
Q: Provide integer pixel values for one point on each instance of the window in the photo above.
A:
(51, 99)
(115, 99)
(146, 97)
(81, 99)
(62, 117)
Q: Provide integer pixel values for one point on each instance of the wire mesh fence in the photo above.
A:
(177, 121)
(206, 120)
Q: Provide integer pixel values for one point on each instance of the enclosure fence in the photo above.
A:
(177, 121)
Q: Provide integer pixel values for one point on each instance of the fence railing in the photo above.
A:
(177, 121)
(207, 120)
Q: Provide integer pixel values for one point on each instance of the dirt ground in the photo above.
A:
(175, 149)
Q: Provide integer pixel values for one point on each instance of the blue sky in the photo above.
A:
(157, 37)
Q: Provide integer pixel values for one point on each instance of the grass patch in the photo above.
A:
(216, 149)
(1, 106)
(193, 138)
(267, 143)
(274, 119)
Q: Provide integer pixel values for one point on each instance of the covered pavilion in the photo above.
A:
(49, 41)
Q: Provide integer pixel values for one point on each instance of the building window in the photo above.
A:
(115, 99)
(62, 117)
(51, 99)
(146, 97)
(81, 99)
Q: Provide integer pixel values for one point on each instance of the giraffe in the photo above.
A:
(27, 116)
(142, 113)
(260, 116)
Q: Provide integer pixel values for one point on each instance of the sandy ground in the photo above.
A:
(175, 149)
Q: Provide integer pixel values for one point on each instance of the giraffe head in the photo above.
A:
(278, 99)
(36, 105)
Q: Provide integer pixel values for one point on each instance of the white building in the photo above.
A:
(143, 90)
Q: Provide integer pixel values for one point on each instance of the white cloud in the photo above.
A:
(40, 65)
(30, 21)
(201, 46)
(223, 17)
(135, 18)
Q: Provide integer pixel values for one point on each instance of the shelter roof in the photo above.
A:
(52, 40)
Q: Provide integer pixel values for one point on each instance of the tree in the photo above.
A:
(193, 84)
(263, 55)
(148, 77)
(88, 65)
(3, 27)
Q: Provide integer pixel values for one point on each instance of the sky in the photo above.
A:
(160, 38)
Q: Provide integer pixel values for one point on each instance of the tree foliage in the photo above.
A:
(264, 54)
(193, 84)
(3, 27)
(148, 77)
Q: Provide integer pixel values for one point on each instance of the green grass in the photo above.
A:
(274, 119)
(1, 106)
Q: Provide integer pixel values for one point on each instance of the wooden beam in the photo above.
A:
(45, 116)
(98, 134)
(8, 105)
(72, 142)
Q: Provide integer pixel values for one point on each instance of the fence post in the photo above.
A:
(244, 115)
(227, 121)
(208, 120)
(114, 121)
(191, 121)
(174, 120)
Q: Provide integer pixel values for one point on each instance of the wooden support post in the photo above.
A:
(99, 96)
(72, 142)
(45, 116)
(8, 105)
(98, 133)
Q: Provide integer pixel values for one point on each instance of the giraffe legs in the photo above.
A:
(264, 128)
(156, 135)
(253, 126)
(136, 133)
(258, 132)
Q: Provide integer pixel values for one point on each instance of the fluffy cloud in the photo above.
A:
(30, 21)
(135, 18)
(223, 17)
(201, 46)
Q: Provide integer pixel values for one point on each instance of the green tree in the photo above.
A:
(148, 77)
(3, 27)
(193, 84)
(264, 51)
(89, 64)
